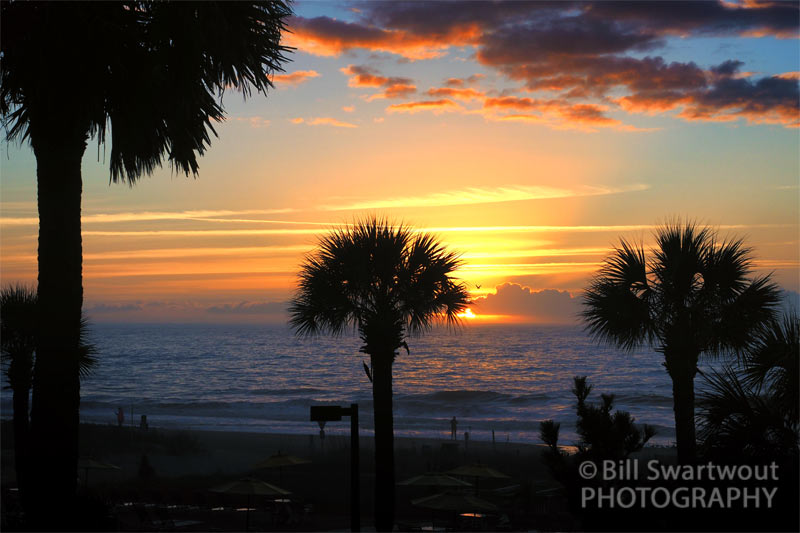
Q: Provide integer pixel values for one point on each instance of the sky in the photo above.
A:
(529, 137)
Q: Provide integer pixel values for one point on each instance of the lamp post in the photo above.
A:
(325, 413)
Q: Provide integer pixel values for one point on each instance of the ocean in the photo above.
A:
(501, 378)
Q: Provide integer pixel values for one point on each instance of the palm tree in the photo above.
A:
(17, 345)
(386, 282)
(691, 298)
(146, 74)
(17, 348)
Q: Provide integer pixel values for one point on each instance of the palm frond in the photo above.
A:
(735, 419)
(87, 351)
(735, 318)
(149, 77)
(678, 261)
(772, 363)
(18, 319)
(617, 304)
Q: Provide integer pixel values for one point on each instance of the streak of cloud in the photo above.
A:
(130, 216)
(293, 79)
(482, 195)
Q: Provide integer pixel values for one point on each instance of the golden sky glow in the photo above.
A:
(503, 153)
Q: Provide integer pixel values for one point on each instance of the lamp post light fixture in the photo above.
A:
(334, 413)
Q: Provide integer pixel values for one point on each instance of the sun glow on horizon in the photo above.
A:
(467, 314)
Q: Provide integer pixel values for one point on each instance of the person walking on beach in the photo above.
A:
(120, 417)
(454, 429)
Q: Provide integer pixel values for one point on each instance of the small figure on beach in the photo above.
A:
(120, 417)
(466, 439)
(453, 429)
(143, 423)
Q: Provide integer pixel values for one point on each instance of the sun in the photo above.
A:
(467, 314)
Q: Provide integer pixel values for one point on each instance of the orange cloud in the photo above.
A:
(556, 113)
(580, 51)
(458, 94)
(325, 36)
(394, 87)
(437, 106)
(463, 82)
(295, 78)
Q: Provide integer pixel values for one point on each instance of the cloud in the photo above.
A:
(130, 216)
(98, 309)
(556, 113)
(189, 312)
(323, 121)
(458, 94)
(348, 108)
(463, 82)
(293, 79)
(778, 19)
(436, 106)
(773, 100)
(526, 304)
(589, 53)
(793, 75)
(325, 36)
(394, 87)
(483, 195)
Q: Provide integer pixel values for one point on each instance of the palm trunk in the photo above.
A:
(56, 387)
(682, 373)
(384, 441)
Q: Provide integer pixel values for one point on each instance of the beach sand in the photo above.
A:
(186, 464)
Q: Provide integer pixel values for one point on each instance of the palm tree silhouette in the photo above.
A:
(387, 283)
(17, 345)
(146, 74)
(691, 298)
(17, 348)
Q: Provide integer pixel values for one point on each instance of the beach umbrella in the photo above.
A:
(477, 470)
(250, 487)
(279, 460)
(454, 501)
(87, 463)
(434, 479)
